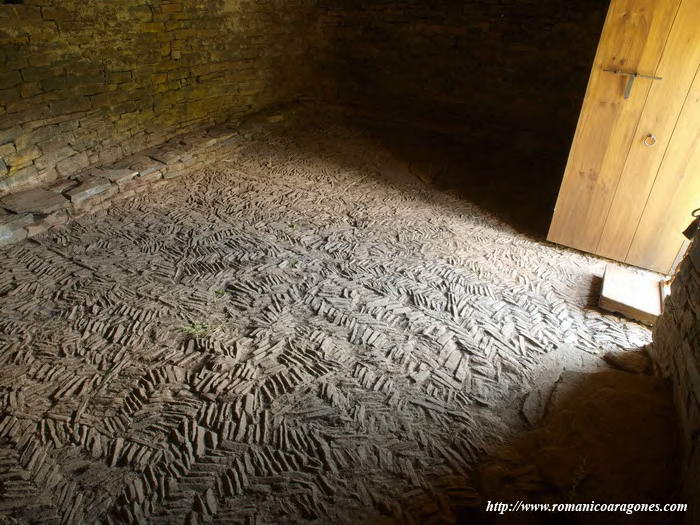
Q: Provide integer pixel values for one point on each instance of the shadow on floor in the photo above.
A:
(606, 436)
(516, 181)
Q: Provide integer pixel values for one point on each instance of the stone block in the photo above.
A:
(6, 135)
(221, 133)
(71, 105)
(188, 160)
(40, 226)
(98, 201)
(37, 228)
(151, 177)
(175, 170)
(88, 188)
(12, 99)
(166, 154)
(23, 157)
(160, 183)
(119, 77)
(13, 227)
(129, 185)
(63, 185)
(197, 140)
(9, 79)
(52, 154)
(18, 178)
(36, 200)
(116, 175)
(109, 155)
(125, 194)
(30, 89)
(104, 204)
(141, 163)
(7, 150)
(73, 164)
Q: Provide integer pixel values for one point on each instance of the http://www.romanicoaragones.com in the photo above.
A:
(626, 508)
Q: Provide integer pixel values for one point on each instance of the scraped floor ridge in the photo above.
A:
(302, 331)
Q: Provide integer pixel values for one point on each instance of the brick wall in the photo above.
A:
(517, 67)
(676, 349)
(86, 82)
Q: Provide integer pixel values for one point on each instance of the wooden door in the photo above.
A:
(627, 155)
(675, 192)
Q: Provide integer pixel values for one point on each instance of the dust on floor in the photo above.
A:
(302, 332)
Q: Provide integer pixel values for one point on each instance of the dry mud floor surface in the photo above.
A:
(303, 332)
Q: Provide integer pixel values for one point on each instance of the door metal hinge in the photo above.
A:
(694, 227)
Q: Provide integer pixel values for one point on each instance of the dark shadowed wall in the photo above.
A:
(518, 65)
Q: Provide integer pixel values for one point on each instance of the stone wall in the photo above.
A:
(87, 82)
(512, 67)
(33, 211)
(676, 349)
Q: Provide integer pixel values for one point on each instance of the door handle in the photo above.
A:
(650, 140)
(630, 79)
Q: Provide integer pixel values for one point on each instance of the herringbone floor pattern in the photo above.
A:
(300, 333)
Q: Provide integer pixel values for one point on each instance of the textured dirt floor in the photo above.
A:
(303, 332)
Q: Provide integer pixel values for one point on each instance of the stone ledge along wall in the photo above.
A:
(87, 82)
(517, 67)
(676, 350)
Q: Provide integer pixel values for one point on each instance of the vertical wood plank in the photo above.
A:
(678, 65)
(633, 39)
(674, 195)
